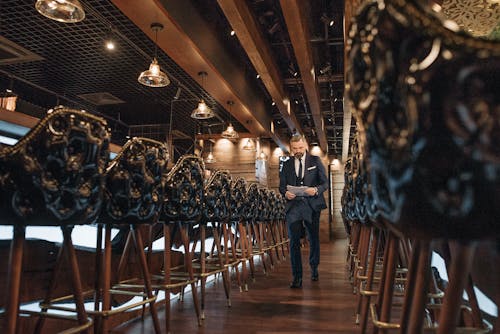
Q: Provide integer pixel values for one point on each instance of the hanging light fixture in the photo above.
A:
(210, 157)
(230, 133)
(154, 77)
(249, 145)
(202, 111)
(67, 11)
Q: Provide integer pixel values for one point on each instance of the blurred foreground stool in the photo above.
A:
(53, 176)
(425, 94)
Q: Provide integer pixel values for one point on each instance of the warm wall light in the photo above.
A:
(202, 111)
(154, 77)
(335, 164)
(262, 156)
(67, 11)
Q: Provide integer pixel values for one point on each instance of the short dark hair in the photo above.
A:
(297, 137)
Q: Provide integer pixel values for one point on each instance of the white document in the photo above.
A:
(298, 191)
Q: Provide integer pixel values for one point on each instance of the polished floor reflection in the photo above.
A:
(270, 306)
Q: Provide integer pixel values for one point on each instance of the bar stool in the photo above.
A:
(216, 198)
(53, 176)
(254, 228)
(272, 223)
(182, 209)
(237, 233)
(133, 199)
(283, 231)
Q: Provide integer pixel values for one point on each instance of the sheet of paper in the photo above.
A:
(298, 191)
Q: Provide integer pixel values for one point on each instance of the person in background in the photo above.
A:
(307, 171)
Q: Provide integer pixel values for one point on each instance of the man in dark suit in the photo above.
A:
(303, 169)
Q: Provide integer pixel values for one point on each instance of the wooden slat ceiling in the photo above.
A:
(298, 58)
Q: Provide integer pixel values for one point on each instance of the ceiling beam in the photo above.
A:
(321, 79)
(207, 136)
(191, 43)
(298, 30)
(259, 52)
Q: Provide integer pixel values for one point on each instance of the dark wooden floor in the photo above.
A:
(270, 306)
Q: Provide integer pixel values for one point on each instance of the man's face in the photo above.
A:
(298, 148)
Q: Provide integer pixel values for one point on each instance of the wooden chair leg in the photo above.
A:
(14, 278)
(167, 264)
(461, 261)
(477, 318)
(225, 276)
(385, 295)
(249, 241)
(415, 322)
(231, 237)
(189, 267)
(203, 264)
(365, 299)
(139, 247)
(244, 253)
(106, 277)
(75, 276)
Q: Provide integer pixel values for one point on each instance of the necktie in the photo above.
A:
(299, 175)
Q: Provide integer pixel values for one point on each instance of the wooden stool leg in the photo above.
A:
(229, 235)
(365, 299)
(249, 242)
(477, 318)
(384, 300)
(203, 278)
(189, 266)
(14, 277)
(244, 253)
(106, 279)
(167, 264)
(75, 273)
(98, 269)
(225, 276)
(410, 285)
(421, 288)
(139, 247)
(461, 262)
(55, 272)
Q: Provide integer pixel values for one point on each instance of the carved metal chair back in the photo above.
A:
(53, 176)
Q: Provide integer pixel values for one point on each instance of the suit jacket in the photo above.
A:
(314, 176)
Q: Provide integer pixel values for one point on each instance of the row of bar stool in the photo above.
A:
(59, 175)
(425, 170)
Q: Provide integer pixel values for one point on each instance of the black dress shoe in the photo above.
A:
(314, 274)
(296, 283)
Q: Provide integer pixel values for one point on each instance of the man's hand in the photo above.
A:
(289, 195)
(311, 191)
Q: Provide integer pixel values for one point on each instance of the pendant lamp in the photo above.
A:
(230, 133)
(67, 11)
(249, 145)
(202, 111)
(154, 77)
